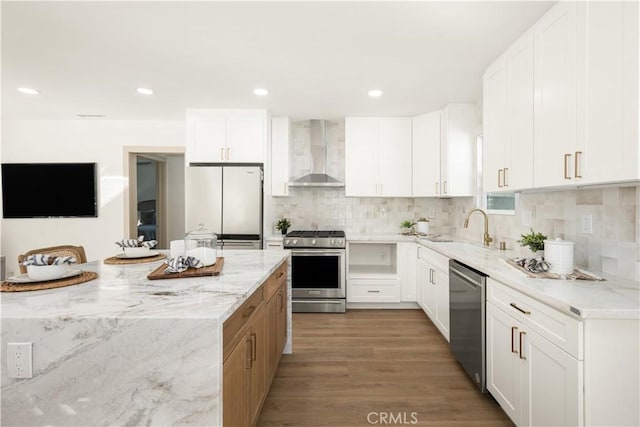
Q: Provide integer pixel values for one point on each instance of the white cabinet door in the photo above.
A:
(426, 155)
(205, 137)
(441, 280)
(610, 142)
(280, 128)
(555, 96)
(551, 385)
(427, 289)
(220, 136)
(503, 375)
(361, 172)
(459, 131)
(518, 150)
(494, 118)
(245, 137)
(394, 157)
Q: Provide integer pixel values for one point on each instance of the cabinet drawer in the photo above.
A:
(559, 328)
(380, 290)
(275, 280)
(438, 260)
(240, 318)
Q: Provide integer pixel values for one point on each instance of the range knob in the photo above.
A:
(286, 242)
(333, 242)
(340, 242)
(295, 241)
(313, 242)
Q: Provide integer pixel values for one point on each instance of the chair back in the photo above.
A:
(63, 250)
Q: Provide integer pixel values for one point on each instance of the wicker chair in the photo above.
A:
(64, 250)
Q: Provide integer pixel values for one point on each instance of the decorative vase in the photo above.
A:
(283, 231)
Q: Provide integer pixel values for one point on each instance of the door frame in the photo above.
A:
(130, 195)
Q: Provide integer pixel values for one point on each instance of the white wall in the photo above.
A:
(100, 141)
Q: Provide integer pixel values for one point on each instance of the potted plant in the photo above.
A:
(407, 227)
(283, 225)
(534, 241)
(423, 225)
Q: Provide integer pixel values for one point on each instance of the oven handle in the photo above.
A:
(323, 301)
(317, 252)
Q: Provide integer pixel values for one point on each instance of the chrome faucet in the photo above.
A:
(487, 239)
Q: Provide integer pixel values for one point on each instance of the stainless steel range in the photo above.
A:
(318, 272)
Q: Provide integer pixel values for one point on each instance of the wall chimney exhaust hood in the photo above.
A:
(318, 176)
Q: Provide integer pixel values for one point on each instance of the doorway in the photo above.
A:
(154, 205)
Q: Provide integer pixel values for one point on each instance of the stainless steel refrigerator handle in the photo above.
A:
(468, 279)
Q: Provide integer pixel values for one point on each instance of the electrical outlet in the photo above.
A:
(19, 360)
(586, 224)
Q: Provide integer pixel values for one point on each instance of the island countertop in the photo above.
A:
(125, 350)
(123, 291)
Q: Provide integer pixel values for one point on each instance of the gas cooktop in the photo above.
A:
(315, 239)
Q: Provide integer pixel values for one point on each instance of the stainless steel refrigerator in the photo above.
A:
(227, 199)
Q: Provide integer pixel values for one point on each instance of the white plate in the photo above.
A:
(148, 254)
(23, 278)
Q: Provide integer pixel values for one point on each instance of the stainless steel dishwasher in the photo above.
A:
(467, 320)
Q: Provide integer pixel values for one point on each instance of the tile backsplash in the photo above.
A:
(612, 247)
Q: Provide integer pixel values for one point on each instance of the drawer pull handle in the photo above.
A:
(254, 346)
(249, 361)
(374, 292)
(513, 329)
(522, 334)
(280, 275)
(513, 304)
(281, 299)
(248, 312)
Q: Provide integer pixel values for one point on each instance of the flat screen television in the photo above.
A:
(42, 190)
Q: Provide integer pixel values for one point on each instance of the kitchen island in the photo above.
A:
(124, 350)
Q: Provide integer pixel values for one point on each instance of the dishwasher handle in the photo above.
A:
(467, 280)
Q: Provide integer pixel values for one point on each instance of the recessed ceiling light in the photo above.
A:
(28, 91)
(88, 116)
(375, 93)
(144, 91)
(261, 92)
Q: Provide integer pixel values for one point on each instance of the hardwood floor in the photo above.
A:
(367, 367)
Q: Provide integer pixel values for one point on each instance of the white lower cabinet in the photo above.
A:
(432, 282)
(536, 382)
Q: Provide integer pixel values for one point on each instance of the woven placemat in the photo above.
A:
(116, 260)
(577, 274)
(85, 276)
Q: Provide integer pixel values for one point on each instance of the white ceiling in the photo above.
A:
(318, 59)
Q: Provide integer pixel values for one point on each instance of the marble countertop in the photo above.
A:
(123, 291)
(613, 298)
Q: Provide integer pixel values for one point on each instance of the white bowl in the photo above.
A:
(136, 252)
(47, 272)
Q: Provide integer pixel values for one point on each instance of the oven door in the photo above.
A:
(318, 273)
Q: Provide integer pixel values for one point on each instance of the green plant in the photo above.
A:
(534, 240)
(283, 224)
(407, 224)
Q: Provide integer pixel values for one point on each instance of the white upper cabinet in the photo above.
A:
(237, 136)
(608, 125)
(494, 122)
(508, 119)
(280, 135)
(426, 155)
(518, 171)
(459, 130)
(555, 96)
(377, 157)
